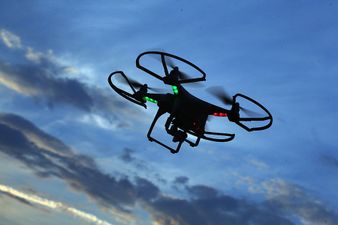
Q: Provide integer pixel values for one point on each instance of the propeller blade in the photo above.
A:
(137, 85)
(156, 89)
(169, 62)
(133, 83)
(250, 112)
(195, 85)
(184, 76)
(219, 93)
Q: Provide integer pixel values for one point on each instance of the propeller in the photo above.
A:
(171, 64)
(136, 84)
(226, 98)
(219, 93)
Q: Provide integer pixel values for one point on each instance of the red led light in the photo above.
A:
(219, 114)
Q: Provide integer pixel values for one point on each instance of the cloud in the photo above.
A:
(181, 180)
(207, 205)
(127, 155)
(202, 191)
(43, 77)
(221, 210)
(77, 170)
(9, 39)
(99, 121)
(258, 164)
(38, 57)
(47, 157)
(146, 190)
(38, 137)
(41, 82)
(51, 204)
(293, 199)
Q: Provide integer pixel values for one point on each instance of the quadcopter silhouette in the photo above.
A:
(188, 114)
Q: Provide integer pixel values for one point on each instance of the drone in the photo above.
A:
(188, 115)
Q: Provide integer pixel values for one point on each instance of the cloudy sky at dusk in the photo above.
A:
(74, 152)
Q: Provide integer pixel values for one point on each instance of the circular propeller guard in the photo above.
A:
(266, 118)
(165, 64)
(123, 93)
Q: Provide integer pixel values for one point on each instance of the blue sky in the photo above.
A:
(72, 151)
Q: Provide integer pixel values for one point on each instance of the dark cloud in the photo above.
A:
(78, 170)
(221, 210)
(202, 191)
(183, 180)
(146, 190)
(31, 131)
(127, 155)
(45, 82)
(207, 206)
(41, 81)
(180, 183)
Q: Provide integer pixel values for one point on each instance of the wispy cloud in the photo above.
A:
(52, 205)
(294, 199)
(38, 137)
(9, 39)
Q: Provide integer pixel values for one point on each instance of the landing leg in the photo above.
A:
(150, 138)
(158, 115)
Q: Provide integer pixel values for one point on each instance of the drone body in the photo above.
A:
(187, 113)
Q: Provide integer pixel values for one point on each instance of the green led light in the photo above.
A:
(150, 99)
(175, 89)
